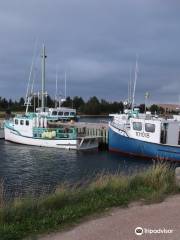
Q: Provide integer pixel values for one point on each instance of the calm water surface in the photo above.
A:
(94, 119)
(32, 170)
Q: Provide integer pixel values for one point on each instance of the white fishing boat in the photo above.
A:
(35, 128)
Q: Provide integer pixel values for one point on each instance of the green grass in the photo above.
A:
(67, 206)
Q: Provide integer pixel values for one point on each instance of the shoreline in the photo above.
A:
(27, 217)
(114, 224)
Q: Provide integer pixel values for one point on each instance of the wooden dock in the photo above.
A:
(94, 129)
(1, 121)
(91, 129)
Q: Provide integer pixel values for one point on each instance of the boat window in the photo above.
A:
(72, 113)
(60, 113)
(27, 123)
(54, 113)
(149, 127)
(137, 126)
(66, 114)
(16, 121)
(70, 130)
(21, 122)
(61, 130)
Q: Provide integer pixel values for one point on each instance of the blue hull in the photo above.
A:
(136, 147)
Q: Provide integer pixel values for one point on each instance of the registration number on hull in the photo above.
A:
(142, 134)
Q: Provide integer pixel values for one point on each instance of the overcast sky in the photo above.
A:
(96, 43)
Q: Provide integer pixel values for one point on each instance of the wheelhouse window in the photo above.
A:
(27, 123)
(137, 126)
(54, 113)
(149, 127)
(16, 121)
(70, 130)
(21, 122)
(60, 113)
(72, 113)
(66, 114)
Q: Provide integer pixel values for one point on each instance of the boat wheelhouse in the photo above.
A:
(63, 114)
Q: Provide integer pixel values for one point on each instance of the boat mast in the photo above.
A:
(43, 80)
(56, 93)
(28, 93)
(65, 85)
(130, 89)
(135, 80)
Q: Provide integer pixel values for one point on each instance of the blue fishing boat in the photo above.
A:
(145, 135)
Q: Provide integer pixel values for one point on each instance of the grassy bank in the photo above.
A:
(28, 217)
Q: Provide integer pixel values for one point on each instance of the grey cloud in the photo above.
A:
(96, 42)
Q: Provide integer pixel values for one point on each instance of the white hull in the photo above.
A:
(76, 144)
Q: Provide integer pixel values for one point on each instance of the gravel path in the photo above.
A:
(120, 224)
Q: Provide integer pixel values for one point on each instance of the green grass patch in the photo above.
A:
(66, 206)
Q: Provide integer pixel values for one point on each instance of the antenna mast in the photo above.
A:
(56, 98)
(135, 80)
(130, 88)
(65, 85)
(43, 79)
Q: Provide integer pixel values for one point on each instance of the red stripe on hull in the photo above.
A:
(141, 156)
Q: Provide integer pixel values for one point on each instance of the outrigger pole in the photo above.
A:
(28, 93)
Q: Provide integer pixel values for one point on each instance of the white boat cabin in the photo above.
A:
(66, 112)
(24, 125)
(62, 113)
(154, 130)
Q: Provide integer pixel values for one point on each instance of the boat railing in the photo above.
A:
(81, 134)
(121, 127)
(117, 125)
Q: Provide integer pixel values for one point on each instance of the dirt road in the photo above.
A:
(158, 222)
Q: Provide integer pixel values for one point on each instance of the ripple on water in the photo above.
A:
(33, 170)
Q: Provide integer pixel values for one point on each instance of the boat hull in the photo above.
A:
(130, 146)
(76, 144)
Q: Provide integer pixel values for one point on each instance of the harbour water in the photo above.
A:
(93, 119)
(28, 170)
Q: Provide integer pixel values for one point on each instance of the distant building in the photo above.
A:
(170, 107)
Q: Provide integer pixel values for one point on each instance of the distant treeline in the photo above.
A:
(93, 106)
